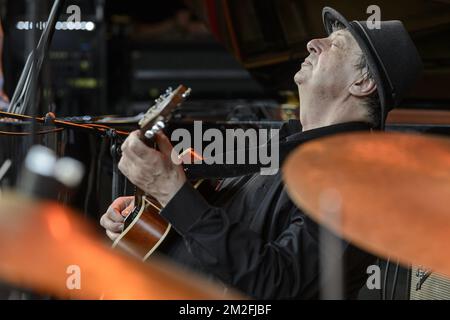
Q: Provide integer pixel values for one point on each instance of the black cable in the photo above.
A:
(386, 275)
(125, 186)
(11, 133)
(408, 283)
(100, 130)
(395, 281)
(381, 289)
(115, 190)
(31, 93)
(91, 176)
(100, 158)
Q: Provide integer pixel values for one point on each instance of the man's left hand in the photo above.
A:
(4, 99)
(3, 96)
(151, 170)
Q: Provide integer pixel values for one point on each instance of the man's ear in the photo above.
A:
(363, 87)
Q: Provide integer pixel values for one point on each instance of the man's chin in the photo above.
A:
(299, 78)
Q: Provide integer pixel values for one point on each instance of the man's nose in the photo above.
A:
(315, 46)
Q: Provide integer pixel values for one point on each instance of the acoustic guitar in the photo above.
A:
(144, 228)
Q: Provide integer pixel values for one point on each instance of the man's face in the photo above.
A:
(330, 67)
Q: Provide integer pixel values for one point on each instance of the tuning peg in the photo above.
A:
(149, 134)
(187, 93)
(160, 125)
(169, 90)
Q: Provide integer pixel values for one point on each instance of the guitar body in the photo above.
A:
(146, 231)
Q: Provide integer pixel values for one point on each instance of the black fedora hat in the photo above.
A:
(391, 55)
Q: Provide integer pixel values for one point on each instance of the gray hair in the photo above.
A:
(372, 102)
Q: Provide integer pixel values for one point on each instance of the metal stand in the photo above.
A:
(23, 95)
(115, 154)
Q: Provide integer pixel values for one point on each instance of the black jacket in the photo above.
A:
(251, 236)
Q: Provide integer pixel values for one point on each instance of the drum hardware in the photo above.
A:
(23, 99)
(51, 240)
(45, 176)
(115, 154)
(42, 242)
(423, 275)
(4, 168)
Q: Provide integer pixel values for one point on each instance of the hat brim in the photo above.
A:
(330, 16)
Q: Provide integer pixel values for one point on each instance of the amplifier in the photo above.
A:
(426, 285)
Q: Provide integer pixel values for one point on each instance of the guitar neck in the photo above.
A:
(138, 195)
(151, 143)
(154, 121)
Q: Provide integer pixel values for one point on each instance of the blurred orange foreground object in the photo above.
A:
(389, 193)
(42, 243)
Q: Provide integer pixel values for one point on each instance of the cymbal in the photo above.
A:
(48, 249)
(387, 193)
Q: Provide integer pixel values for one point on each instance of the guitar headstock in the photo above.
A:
(157, 116)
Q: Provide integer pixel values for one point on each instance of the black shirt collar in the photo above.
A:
(294, 140)
(325, 131)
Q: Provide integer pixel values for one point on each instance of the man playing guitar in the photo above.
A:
(249, 234)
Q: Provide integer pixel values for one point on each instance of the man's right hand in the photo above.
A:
(113, 219)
